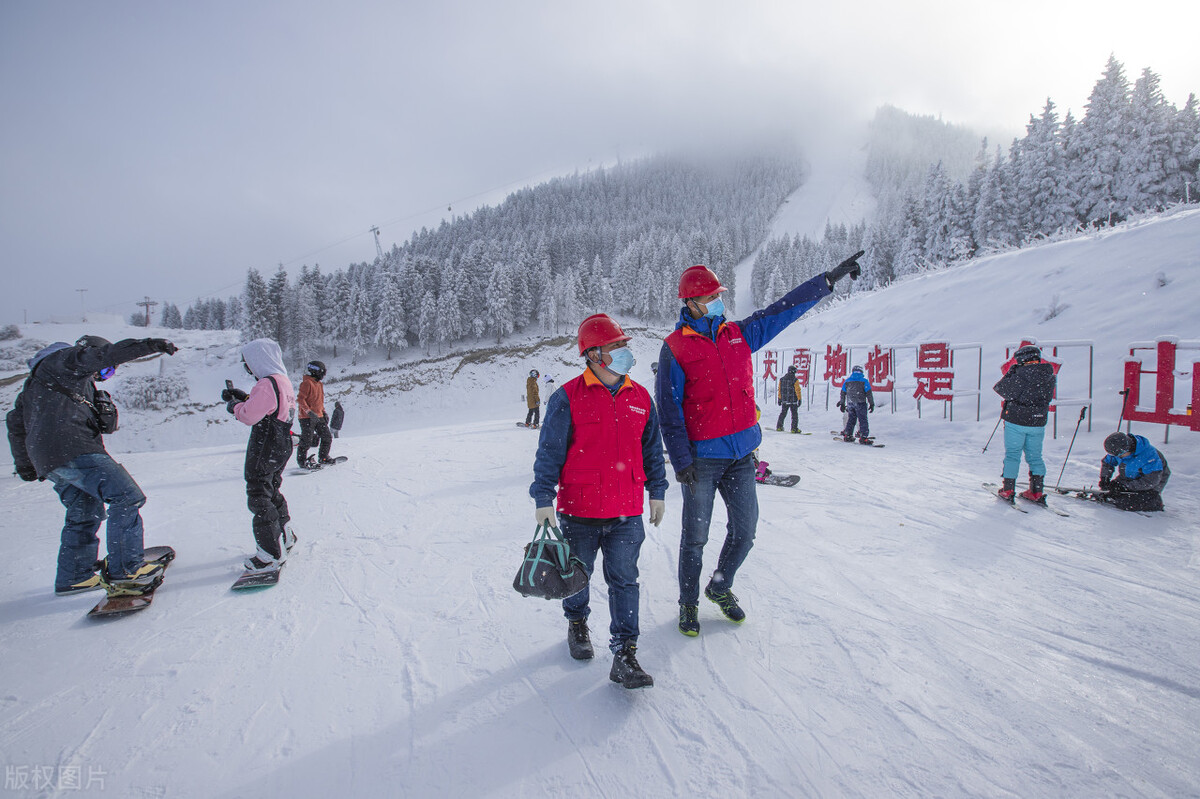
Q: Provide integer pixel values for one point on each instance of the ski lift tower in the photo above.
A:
(378, 249)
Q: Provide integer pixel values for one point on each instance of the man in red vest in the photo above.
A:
(600, 445)
(705, 393)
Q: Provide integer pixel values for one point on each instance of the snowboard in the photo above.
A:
(792, 432)
(113, 607)
(318, 467)
(779, 479)
(253, 580)
(530, 426)
(837, 436)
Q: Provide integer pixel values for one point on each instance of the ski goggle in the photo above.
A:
(107, 372)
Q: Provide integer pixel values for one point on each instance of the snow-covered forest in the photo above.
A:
(1132, 152)
(611, 239)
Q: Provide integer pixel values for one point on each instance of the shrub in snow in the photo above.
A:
(9, 332)
(153, 392)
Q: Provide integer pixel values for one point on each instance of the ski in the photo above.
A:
(1012, 503)
(115, 606)
(1043, 504)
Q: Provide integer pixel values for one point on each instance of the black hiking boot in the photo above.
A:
(579, 641)
(625, 668)
(728, 604)
(689, 624)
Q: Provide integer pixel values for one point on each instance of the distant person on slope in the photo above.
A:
(533, 400)
(268, 409)
(314, 424)
(1133, 473)
(56, 431)
(705, 392)
(789, 399)
(857, 401)
(598, 452)
(1027, 388)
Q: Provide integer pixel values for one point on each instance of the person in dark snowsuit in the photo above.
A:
(314, 422)
(857, 401)
(1027, 388)
(1133, 473)
(705, 393)
(268, 409)
(789, 399)
(55, 433)
(598, 454)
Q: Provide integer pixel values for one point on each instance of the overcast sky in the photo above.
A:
(163, 148)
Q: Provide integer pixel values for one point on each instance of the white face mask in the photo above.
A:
(622, 361)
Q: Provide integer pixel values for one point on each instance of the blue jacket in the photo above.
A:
(860, 395)
(555, 439)
(758, 329)
(1144, 470)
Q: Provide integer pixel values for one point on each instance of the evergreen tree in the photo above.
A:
(390, 325)
(499, 301)
(258, 321)
(277, 308)
(1101, 139)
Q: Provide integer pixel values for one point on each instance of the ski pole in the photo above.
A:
(994, 429)
(1082, 413)
(1124, 399)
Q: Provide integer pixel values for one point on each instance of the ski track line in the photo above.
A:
(483, 604)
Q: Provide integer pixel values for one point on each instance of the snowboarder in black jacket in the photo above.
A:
(789, 398)
(1027, 388)
(55, 432)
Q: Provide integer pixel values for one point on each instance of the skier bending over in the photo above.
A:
(268, 409)
(1133, 473)
(857, 401)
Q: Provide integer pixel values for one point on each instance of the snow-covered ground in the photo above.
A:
(907, 634)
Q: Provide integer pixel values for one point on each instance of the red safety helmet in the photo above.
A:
(699, 281)
(598, 330)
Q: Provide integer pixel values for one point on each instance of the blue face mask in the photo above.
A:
(715, 308)
(622, 361)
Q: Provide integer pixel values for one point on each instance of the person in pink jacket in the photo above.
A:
(268, 410)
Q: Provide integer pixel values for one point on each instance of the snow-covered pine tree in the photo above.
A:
(390, 326)
(257, 322)
(278, 318)
(500, 300)
(1100, 142)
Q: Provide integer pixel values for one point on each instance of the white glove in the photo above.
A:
(657, 508)
(544, 515)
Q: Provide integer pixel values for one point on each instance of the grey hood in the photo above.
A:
(264, 357)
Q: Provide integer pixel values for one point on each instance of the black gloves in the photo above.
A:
(871, 409)
(687, 475)
(162, 345)
(841, 406)
(313, 415)
(28, 474)
(234, 394)
(1105, 484)
(847, 267)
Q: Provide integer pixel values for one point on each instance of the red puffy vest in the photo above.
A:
(718, 392)
(603, 476)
